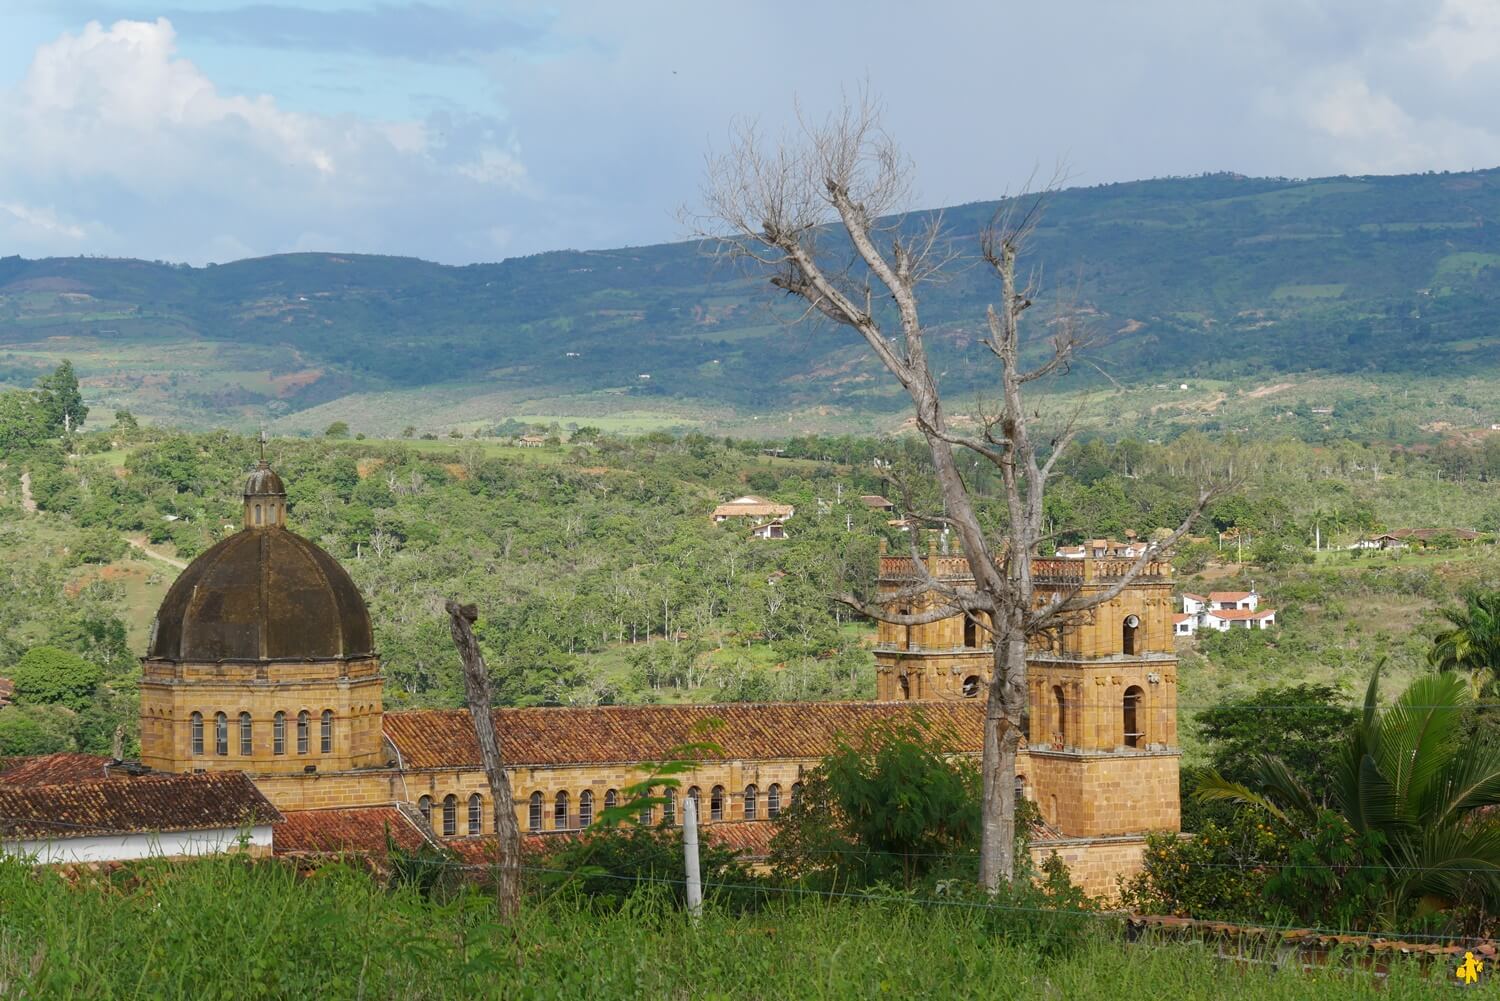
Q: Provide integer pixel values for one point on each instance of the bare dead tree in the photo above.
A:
(477, 691)
(816, 215)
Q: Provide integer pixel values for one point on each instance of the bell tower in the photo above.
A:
(1103, 694)
(1101, 754)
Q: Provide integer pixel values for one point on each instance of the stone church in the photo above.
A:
(262, 660)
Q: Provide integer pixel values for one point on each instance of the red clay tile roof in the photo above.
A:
(752, 838)
(444, 738)
(1195, 597)
(875, 501)
(52, 769)
(1178, 620)
(753, 507)
(355, 831)
(137, 804)
(1228, 595)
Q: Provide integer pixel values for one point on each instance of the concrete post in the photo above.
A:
(690, 850)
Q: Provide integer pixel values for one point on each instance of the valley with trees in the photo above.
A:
(1340, 769)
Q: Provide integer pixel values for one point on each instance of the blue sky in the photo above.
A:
(208, 130)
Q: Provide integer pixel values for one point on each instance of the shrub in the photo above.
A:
(49, 676)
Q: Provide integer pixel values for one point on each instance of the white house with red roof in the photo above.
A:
(1225, 619)
(1222, 611)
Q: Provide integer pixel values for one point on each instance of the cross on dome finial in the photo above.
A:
(263, 444)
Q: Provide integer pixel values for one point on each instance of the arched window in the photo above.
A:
(476, 813)
(1059, 716)
(257, 514)
(1020, 788)
(247, 735)
(693, 795)
(796, 792)
(1133, 733)
(534, 814)
(278, 733)
(221, 733)
(1127, 635)
(905, 684)
(647, 815)
(450, 815)
(751, 793)
(325, 732)
(669, 808)
(971, 687)
(716, 803)
(560, 812)
(424, 805)
(585, 808)
(773, 801)
(195, 722)
(303, 726)
(971, 632)
(611, 799)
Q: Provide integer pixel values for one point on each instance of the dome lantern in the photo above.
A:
(265, 498)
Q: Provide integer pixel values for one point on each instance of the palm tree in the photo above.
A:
(1408, 776)
(1471, 644)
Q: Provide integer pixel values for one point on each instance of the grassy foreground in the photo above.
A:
(221, 929)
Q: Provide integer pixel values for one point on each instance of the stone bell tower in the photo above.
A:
(1101, 755)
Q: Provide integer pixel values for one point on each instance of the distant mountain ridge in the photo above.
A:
(1219, 276)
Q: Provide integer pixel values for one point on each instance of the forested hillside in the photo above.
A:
(1217, 277)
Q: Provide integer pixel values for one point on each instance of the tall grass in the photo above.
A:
(224, 928)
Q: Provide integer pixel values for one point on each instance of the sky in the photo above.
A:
(475, 130)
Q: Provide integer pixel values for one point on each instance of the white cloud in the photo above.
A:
(115, 124)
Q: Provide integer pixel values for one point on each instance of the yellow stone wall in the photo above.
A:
(171, 692)
(1096, 865)
(1106, 794)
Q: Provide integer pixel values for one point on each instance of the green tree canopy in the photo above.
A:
(49, 676)
(59, 399)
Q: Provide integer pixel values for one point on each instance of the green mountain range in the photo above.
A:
(1216, 278)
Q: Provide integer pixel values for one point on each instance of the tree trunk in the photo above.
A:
(1002, 741)
(477, 693)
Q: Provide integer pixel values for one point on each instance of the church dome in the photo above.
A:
(264, 593)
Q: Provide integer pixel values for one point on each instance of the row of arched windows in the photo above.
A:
(566, 818)
(449, 826)
(246, 733)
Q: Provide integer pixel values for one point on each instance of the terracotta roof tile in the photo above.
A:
(752, 838)
(1229, 595)
(444, 738)
(133, 805)
(355, 831)
(53, 769)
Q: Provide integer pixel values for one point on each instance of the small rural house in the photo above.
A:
(769, 530)
(876, 503)
(757, 509)
(531, 441)
(1226, 619)
(1222, 611)
(69, 808)
(1102, 549)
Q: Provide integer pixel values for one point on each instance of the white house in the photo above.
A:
(1226, 619)
(1184, 625)
(1233, 600)
(65, 811)
(770, 530)
(1193, 604)
(754, 507)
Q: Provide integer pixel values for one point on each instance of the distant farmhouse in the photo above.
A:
(753, 508)
(531, 441)
(1222, 611)
(1419, 538)
(876, 503)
